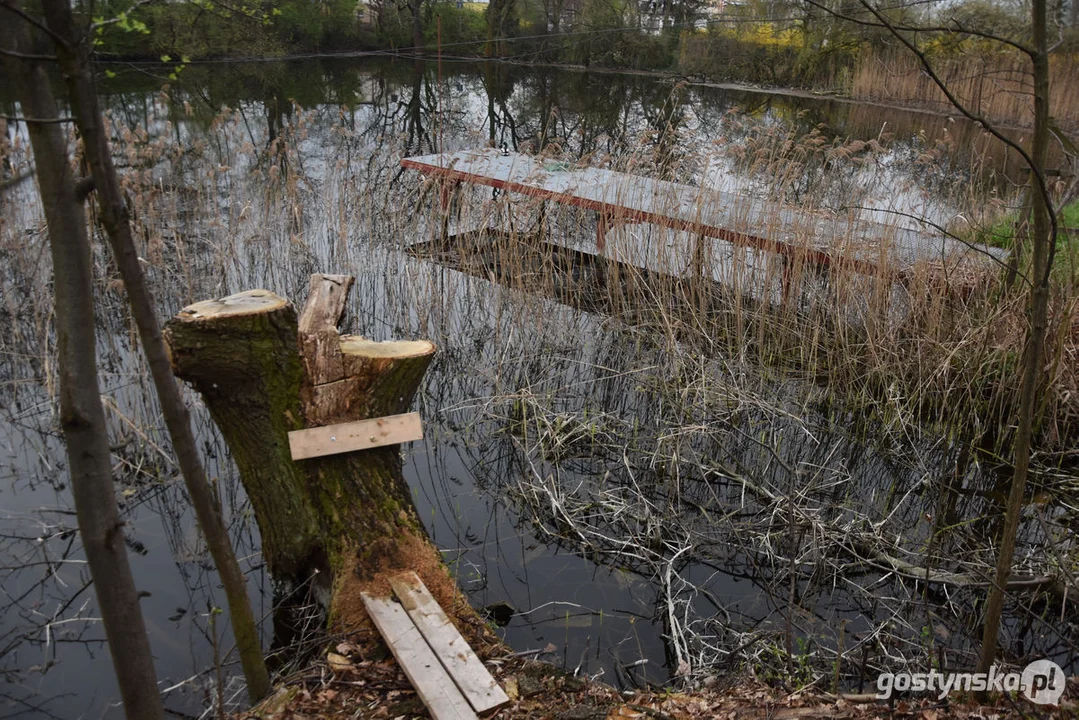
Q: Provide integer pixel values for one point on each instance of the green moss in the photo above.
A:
(1069, 216)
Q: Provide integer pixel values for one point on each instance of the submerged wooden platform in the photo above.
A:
(820, 239)
(450, 680)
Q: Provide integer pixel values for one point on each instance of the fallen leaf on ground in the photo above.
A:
(338, 662)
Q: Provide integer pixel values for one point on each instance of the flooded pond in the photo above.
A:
(632, 501)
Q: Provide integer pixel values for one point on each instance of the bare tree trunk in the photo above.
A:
(76, 63)
(416, 7)
(82, 418)
(1038, 312)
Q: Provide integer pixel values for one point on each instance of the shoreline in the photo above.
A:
(691, 80)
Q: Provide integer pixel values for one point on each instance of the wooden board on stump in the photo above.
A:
(357, 435)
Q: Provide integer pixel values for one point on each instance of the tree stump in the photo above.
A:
(263, 374)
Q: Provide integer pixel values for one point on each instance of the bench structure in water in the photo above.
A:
(822, 239)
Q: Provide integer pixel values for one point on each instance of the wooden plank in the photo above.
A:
(357, 435)
(424, 671)
(473, 679)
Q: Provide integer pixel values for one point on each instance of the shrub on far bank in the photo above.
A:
(464, 29)
(207, 30)
(620, 48)
(761, 54)
(191, 30)
(325, 25)
(611, 34)
(605, 34)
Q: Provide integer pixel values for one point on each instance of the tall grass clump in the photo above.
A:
(994, 85)
(935, 342)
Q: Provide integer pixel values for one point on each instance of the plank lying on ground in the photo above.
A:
(358, 435)
(433, 684)
(473, 679)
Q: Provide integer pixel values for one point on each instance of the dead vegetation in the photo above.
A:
(355, 681)
(837, 455)
(993, 84)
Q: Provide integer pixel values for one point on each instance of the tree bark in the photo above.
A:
(82, 418)
(263, 374)
(1044, 237)
(416, 8)
(76, 64)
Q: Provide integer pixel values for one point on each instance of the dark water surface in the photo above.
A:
(587, 602)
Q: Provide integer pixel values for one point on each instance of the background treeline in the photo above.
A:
(762, 42)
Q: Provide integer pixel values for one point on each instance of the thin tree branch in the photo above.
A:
(12, 182)
(28, 56)
(1067, 146)
(976, 247)
(40, 25)
(960, 28)
(110, 21)
(886, 24)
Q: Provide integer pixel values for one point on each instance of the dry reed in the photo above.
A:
(994, 85)
(658, 406)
